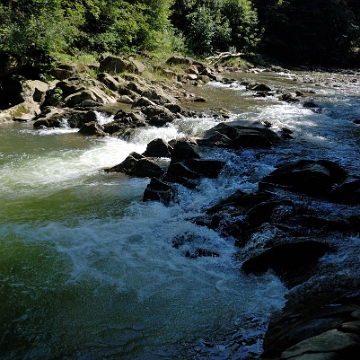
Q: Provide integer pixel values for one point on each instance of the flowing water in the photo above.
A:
(89, 271)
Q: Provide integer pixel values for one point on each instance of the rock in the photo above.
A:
(205, 167)
(61, 74)
(183, 150)
(287, 259)
(139, 66)
(348, 192)
(235, 135)
(260, 87)
(289, 97)
(125, 99)
(321, 317)
(158, 148)
(92, 128)
(115, 65)
(310, 104)
(158, 96)
(345, 345)
(174, 108)
(79, 89)
(311, 177)
(142, 102)
(179, 173)
(157, 115)
(27, 96)
(137, 165)
(89, 95)
(158, 190)
(109, 81)
(179, 60)
(189, 171)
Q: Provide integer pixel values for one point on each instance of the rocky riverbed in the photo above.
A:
(300, 221)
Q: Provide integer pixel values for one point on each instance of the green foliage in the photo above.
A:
(313, 31)
(36, 29)
(216, 25)
(32, 28)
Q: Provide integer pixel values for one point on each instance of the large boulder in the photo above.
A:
(236, 135)
(325, 327)
(313, 177)
(92, 96)
(82, 90)
(27, 99)
(115, 64)
(287, 259)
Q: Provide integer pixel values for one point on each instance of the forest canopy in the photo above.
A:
(296, 31)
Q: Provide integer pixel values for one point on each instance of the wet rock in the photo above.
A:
(321, 325)
(183, 150)
(179, 173)
(287, 259)
(311, 177)
(310, 104)
(190, 171)
(205, 167)
(260, 87)
(92, 128)
(348, 192)
(158, 190)
(289, 97)
(343, 345)
(235, 135)
(241, 199)
(139, 166)
(158, 148)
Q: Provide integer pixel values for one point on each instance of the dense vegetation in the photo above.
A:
(298, 31)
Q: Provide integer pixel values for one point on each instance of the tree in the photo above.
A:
(313, 31)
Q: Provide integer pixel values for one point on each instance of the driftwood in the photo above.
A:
(223, 56)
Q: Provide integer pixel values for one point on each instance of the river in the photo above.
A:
(89, 271)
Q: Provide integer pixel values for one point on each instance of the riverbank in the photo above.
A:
(313, 205)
